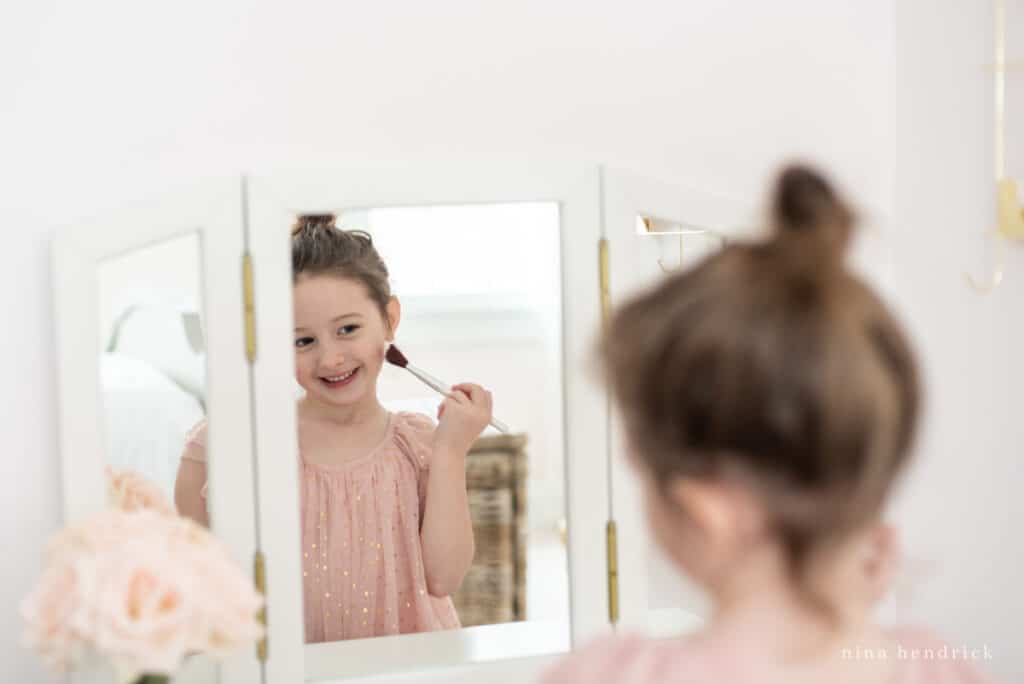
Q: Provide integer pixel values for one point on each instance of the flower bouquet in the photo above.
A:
(140, 587)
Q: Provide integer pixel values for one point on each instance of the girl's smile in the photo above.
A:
(340, 380)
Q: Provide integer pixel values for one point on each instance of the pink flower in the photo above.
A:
(130, 491)
(52, 614)
(143, 607)
(141, 588)
(229, 623)
(103, 531)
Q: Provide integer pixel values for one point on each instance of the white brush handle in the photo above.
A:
(446, 389)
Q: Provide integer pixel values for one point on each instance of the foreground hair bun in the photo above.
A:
(809, 216)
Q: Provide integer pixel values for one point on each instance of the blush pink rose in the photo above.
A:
(143, 607)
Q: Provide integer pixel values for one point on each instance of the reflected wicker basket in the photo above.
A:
(494, 589)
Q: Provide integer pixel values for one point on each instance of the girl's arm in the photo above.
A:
(188, 485)
(447, 530)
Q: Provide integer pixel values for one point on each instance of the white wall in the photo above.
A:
(962, 505)
(106, 101)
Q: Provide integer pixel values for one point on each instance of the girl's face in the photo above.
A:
(340, 339)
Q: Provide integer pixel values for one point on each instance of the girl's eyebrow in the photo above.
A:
(336, 319)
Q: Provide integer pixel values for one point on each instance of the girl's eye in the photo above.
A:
(303, 342)
(347, 329)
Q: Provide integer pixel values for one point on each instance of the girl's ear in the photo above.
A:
(709, 505)
(881, 559)
(394, 316)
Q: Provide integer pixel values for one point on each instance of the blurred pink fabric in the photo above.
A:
(637, 660)
(362, 565)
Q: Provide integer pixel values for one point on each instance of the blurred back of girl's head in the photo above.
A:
(772, 362)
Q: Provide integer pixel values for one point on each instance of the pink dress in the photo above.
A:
(919, 657)
(362, 564)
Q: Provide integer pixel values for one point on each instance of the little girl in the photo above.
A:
(770, 401)
(386, 531)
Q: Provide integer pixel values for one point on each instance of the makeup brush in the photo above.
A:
(396, 357)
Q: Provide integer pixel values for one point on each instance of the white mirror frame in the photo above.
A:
(633, 260)
(214, 212)
(274, 202)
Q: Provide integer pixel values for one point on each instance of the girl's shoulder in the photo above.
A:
(414, 435)
(598, 660)
(634, 659)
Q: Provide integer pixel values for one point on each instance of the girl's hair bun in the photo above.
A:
(313, 222)
(809, 216)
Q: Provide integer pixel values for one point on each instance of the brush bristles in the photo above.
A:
(396, 357)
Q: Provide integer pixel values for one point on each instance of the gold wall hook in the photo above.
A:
(666, 269)
(1009, 216)
(993, 281)
(650, 225)
(1009, 227)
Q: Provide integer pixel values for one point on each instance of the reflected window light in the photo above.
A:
(438, 251)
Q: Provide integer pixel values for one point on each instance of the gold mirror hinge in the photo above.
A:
(606, 295)
(249, 308)
(260, 580)
(613, 574)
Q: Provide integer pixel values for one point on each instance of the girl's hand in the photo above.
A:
(462, 416)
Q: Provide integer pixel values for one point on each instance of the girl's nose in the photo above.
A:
(334, 355)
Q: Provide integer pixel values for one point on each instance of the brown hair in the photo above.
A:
(771, 360)
(319, 247)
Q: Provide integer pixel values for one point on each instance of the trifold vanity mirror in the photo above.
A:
(180, 314)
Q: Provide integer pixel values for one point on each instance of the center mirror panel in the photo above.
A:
(414, 521)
